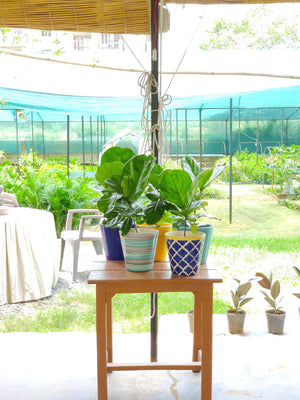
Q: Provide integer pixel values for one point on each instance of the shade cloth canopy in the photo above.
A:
(107, 16)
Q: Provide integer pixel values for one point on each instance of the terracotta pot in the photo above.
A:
(236, 321)
(275, 322)
(161, 247)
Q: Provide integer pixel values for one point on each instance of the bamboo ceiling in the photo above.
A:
(107, 16)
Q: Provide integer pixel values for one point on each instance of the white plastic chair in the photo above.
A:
(74, 237)
(8, 199)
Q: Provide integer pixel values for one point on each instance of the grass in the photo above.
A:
(76, 311)
(262, 237)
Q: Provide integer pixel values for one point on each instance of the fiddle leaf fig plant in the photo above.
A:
(180, 191)
(123, 177)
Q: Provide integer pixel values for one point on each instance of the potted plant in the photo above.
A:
(180, 191)
(123, 177)
(275, 315)
(235, 314)
(297, 270)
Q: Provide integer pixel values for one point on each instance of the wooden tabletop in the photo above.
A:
(159, 279)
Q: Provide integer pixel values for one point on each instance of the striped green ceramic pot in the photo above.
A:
(185, 252)
(139, 249)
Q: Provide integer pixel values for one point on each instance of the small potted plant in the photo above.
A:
(275, 315)
(179, 192)
(297, 270)
(123, 177)
(235, 314)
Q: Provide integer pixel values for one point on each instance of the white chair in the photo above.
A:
(8, 199)
(74, 237)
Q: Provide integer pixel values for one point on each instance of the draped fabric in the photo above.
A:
(28, 267)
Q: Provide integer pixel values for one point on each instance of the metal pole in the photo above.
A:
(83, 150)
(230, 163)
(17, 137)
(257, 134)
(154, 139)
(91, 133)
(200, 135)
(68, 145)
(32, 138)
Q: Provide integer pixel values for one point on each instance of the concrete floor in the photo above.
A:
(62, 366)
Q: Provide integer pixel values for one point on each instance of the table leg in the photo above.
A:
(206, 374)
(109, 329)
(197, 338)
(153, 344)
(101, 320)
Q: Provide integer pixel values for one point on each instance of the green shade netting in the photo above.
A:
(53, 107)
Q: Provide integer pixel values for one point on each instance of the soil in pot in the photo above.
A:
(236, 321)
(275, 322)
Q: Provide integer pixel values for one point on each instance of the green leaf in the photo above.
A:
(275, 289)
(126, 226)
(215, 173)
(114, 184)
(204, 179)
(190, 165)
(107, 171)
(175, 187)
(154, 212)
(116, 153)
(139, 169)
(156, 175)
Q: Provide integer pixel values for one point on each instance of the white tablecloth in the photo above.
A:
(28, 262)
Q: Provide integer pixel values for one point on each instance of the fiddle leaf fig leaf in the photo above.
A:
(175, 186)
(116, 153)
(107, 171)
(139, 169)
(154, 212)
(190, 165)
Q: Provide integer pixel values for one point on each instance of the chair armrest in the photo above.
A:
(78, 210)
(82, 222)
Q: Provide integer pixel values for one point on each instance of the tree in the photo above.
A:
(263, 27)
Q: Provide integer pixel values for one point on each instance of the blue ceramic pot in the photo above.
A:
(112, 243)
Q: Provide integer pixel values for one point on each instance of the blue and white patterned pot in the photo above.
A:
(139, 249)
(184, 252)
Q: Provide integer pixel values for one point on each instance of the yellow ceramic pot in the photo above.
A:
(161, 247)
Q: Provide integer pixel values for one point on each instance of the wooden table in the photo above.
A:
(111, 277)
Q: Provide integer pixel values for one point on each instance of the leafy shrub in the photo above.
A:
(44, 184)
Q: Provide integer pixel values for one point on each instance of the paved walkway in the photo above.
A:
(62, 366)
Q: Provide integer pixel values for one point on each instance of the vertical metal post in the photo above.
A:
(91, 133)
(32, 137)
(257, 134)
(170, 141)
(239, 139)
(98, 144)
(43, 138)
(154, 139)
(282, 128)
(177, 148)
(200, 136)
(68, 145)
(186, 132)
(83, 149)
(230, 163)
(17, 137)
